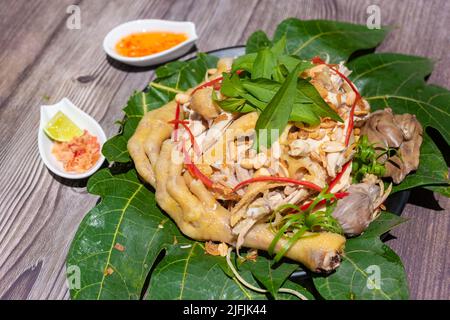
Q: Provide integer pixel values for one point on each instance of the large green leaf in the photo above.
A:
(187, 272)
(172, 77)
(398, 81)
(384, 223)
(270, 276)
(365, 259)
(310, 38)
(118, 241)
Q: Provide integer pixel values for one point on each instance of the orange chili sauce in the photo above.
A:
(147, 43)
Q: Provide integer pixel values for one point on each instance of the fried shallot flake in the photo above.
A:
(119, 247)
(215, 249)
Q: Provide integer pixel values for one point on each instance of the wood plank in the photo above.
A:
(39, 213)
(37, 207)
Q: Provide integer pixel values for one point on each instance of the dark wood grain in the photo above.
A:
(40, 57)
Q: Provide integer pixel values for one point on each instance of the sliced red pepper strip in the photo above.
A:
(339, 176)
(213, 83)
(185, 123)
(178, 122)
(193, 170)
(338, 195)
(307, 184)
(318, 60)
(208, 84)
(177, 117)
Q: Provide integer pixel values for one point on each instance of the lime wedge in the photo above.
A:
(61, 128)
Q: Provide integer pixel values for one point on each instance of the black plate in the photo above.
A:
(394, 203)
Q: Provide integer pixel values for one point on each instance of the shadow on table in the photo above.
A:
(424, 198)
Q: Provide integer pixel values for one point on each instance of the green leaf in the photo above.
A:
(321, 37)
(290, 62)
(278, 48)
(302, 112)
(370, 270)
(175, 76)
(307, 94)
(235, 105)
(128, 217)
(232, 86)
(308, 104)
(384, 223)
(262, 89)
(186, 74)
(442, 189)
(271, 277)
(188, 273)
(257, 41)
(276, 115)
(264, 64)
(244, 62)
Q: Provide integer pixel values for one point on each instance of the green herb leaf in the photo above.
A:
(264, 64)
(232, 86)
(308, 104)
(257, 41)
(235, 105)
(307, 94)
(276, 114)
(290, 62)
(244, 62)
(278, 48)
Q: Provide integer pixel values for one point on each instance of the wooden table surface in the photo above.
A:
(42, 61)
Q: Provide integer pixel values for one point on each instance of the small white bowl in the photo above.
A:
(83, 121)
(137, 26)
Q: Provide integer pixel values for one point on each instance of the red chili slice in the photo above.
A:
(338, 195)
(339, 176)
(208, 84)
(194, 171)
(213, 83)
(177, 117)
(318, 60)
(185, 123)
